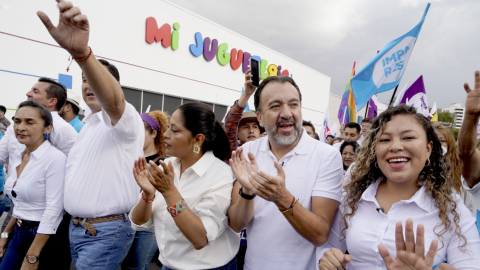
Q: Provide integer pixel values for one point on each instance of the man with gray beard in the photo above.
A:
(298, 181)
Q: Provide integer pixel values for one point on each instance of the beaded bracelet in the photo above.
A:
(148, 201)
(294, 201)
(177, 208)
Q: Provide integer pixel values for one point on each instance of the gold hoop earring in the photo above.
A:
(376, 164)
(428, 164)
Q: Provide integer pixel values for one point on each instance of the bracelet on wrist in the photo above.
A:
(294, 201)
(148, 200)
(246, 196)
(79, 59)
(177, 208)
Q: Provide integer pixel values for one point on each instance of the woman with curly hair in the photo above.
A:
(144, 245)
(400, 175)
(449, 148)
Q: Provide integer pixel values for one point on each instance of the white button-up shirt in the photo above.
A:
(475, 194)
(368, 228)
(206, 187)
(312, 169)
(63, 137)
(39, 188)
(99, 179)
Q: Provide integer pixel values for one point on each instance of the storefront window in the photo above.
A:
(133, 97)
(154, 100)
(171, 104)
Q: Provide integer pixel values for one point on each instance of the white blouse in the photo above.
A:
(206, 187)
(368, 228)
(39, 188)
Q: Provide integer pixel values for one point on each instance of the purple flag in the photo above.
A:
(372, 107)
(416, 96)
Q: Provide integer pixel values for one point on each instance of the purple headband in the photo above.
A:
(150, 121)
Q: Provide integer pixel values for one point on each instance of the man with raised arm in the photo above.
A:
(99, 187)
(467, 138)
(288, 192)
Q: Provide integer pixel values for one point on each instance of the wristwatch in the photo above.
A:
(245, 196)
(4, 235)
(32, 259)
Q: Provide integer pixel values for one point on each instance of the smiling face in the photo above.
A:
(38, 93)
(29, 127)
(178, 139)
(248, 132)
(281, 113)
(348, 156)
(402, 149)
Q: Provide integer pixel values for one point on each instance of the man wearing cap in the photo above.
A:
(241, 126)
(71, 110)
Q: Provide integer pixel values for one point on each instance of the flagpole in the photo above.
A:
(366, 109)
(391, 100)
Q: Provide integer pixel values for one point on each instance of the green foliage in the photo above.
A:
(445, 116)
(455, 133)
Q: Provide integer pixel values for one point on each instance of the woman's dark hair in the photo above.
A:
(199, 118)
(42, 110)
(434, 176)
(354, 144)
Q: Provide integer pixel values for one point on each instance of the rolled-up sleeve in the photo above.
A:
(213, 207)
(142, 227)
(54, 184)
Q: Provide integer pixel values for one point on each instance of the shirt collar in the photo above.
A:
(303, 146)
(54, 113)
(38, 152)
(93, 117)
(420, 198)
(201, 166)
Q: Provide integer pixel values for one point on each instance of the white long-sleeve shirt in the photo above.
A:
(206, 187)
(39, 188)
(368, 228)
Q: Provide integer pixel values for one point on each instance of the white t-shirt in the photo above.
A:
(207, 188)
(312, 169)
(368, 228)
(99, 178)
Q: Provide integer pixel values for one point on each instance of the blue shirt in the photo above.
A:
(77, 124)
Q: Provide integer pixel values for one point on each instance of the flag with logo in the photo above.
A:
(347, 111)
(384, 72)
(416, 96)
(372, 107)
(325, 127)
(433, 113)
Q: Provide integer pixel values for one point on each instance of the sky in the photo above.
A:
(329, 36)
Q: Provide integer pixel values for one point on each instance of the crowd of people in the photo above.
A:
(119, 188)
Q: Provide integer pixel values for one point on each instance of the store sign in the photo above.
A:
(209, 48)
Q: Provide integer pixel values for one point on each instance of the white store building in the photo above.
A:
(184, 57)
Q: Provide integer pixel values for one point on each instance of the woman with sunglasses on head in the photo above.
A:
(36, 188)
(187, 198)
(401, 177)
(144, 245)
